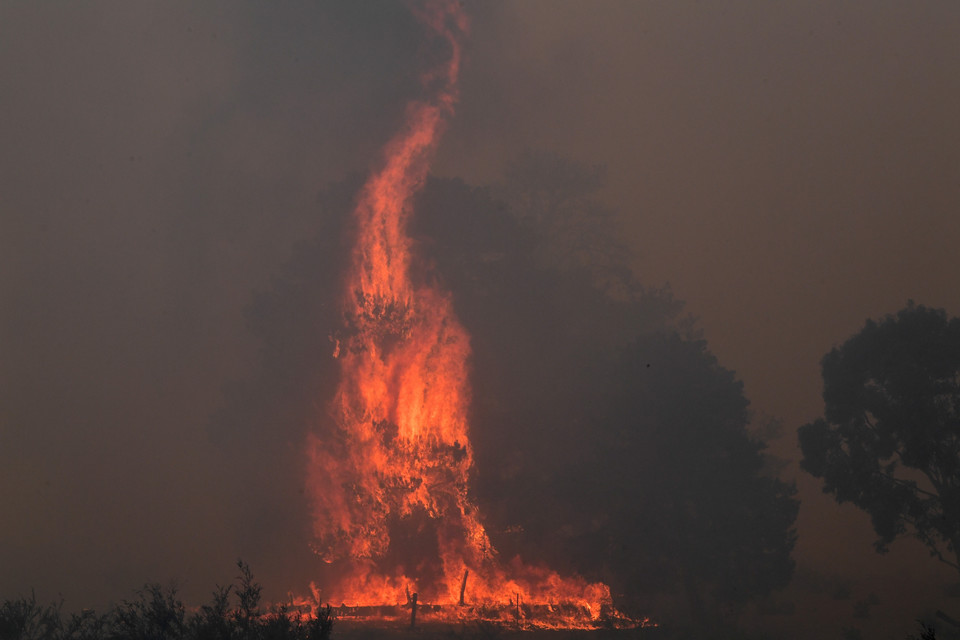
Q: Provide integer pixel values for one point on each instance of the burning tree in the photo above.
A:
(400, 455)
(571, 446)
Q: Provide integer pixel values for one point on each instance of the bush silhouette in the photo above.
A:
(157, 613)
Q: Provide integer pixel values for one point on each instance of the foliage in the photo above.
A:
(678, 483)
(158, 614)
(559, 201)
(889, 441)
(24, 618)
(926, 633)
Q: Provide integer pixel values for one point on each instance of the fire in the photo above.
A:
(401, 456)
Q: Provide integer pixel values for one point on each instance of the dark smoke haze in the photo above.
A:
(790, 169)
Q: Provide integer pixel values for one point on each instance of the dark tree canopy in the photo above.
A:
(558, 200)
(670, 491)
(889, 441)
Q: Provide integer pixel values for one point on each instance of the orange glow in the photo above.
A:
(401, 452)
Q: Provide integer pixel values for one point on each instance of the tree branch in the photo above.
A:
(931, 544)
(912, 485)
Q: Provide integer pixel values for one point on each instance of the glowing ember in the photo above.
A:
(401, 456)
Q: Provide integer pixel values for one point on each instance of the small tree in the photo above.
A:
(26, 619)
(247, 613)
(156, 614)
(889, 441)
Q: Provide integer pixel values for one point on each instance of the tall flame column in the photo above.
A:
(401, 445)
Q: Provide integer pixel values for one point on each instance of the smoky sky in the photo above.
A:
(790, 169)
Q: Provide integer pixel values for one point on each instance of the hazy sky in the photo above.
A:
(790, 168)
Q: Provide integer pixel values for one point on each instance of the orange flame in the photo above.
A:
(401, 449)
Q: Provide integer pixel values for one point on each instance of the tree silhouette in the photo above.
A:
(889, 441)
(676, 485)
(157, 613)
(559, 201)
